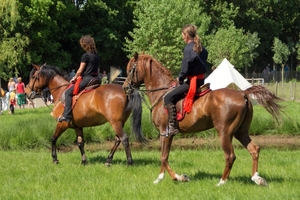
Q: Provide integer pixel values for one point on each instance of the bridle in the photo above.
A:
(130, 86)
(33, 93)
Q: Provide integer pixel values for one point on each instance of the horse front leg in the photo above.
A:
(80, 143)
(165, 150)
(58, 131)
(54, 154)
(230, 157)
(112, 151)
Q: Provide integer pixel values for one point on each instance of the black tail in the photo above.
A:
(135, 104)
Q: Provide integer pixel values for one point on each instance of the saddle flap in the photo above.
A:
(203, 88)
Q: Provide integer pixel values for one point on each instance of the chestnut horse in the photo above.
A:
(228, 111)
(107, 103)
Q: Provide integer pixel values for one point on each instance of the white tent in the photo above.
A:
(225, 75)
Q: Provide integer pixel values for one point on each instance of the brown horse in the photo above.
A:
(107, 103)
(228, 111)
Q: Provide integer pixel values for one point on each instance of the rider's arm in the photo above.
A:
(79, 71)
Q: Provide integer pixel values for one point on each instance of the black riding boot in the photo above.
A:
(173, 124)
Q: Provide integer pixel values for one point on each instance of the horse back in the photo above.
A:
(105, 103)
(216, 108)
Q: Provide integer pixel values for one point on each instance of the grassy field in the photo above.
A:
(31, 175)
(27, 171)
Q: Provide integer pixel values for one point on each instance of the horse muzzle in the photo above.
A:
(128, 89)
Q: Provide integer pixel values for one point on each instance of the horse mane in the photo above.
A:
(49, 72)
(148, 59)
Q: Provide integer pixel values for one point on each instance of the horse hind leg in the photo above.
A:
(121, 136)
(254, 151)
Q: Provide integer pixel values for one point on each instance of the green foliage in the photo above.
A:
(12, 43)
(48, 31)
(281, 52)
(298, 54)
(158, 29)
(233, 44)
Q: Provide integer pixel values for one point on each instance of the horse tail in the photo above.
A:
(135, 104)
(267, 99)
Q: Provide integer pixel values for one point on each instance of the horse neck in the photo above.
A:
(155, 83)
(57, 86)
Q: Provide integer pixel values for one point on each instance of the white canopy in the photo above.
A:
(225, 75)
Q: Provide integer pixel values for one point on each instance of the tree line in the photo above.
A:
(250, 34)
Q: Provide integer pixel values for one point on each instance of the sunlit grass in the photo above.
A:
(31, 175)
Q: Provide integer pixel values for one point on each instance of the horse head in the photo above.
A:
(131, 81)
(34, 86)
(144, 69)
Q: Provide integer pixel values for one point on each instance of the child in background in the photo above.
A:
(12, 101)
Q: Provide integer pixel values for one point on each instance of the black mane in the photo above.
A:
(50, 71)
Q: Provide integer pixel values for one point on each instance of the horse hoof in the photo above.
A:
(261, 182)
(84, 162)
(55, 162)
(107, 164)
(185, 178)
(182, 178)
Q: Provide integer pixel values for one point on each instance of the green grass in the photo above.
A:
(27, 171)
(31, 175)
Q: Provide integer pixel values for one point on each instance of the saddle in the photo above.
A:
(201, 91)
(93, 84)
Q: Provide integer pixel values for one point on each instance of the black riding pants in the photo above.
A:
(173, 96)
(69, 94)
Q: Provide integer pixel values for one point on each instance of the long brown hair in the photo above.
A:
(88, 43)
(191, 31)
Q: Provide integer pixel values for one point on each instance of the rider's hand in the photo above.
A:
(179, 81)
(73, 80)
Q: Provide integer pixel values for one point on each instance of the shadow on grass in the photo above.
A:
(244, 179)
(136, 162)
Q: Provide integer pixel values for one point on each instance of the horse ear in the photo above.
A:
(136, 55)
(35, 66)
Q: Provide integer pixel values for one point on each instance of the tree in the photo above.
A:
(109, 22)
(235, 45)
(281, 52)
(158, 29)
(12, 43)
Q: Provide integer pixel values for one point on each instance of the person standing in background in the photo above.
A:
(72, 73)
(11, 85)
(12, 101)
(20, 90)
